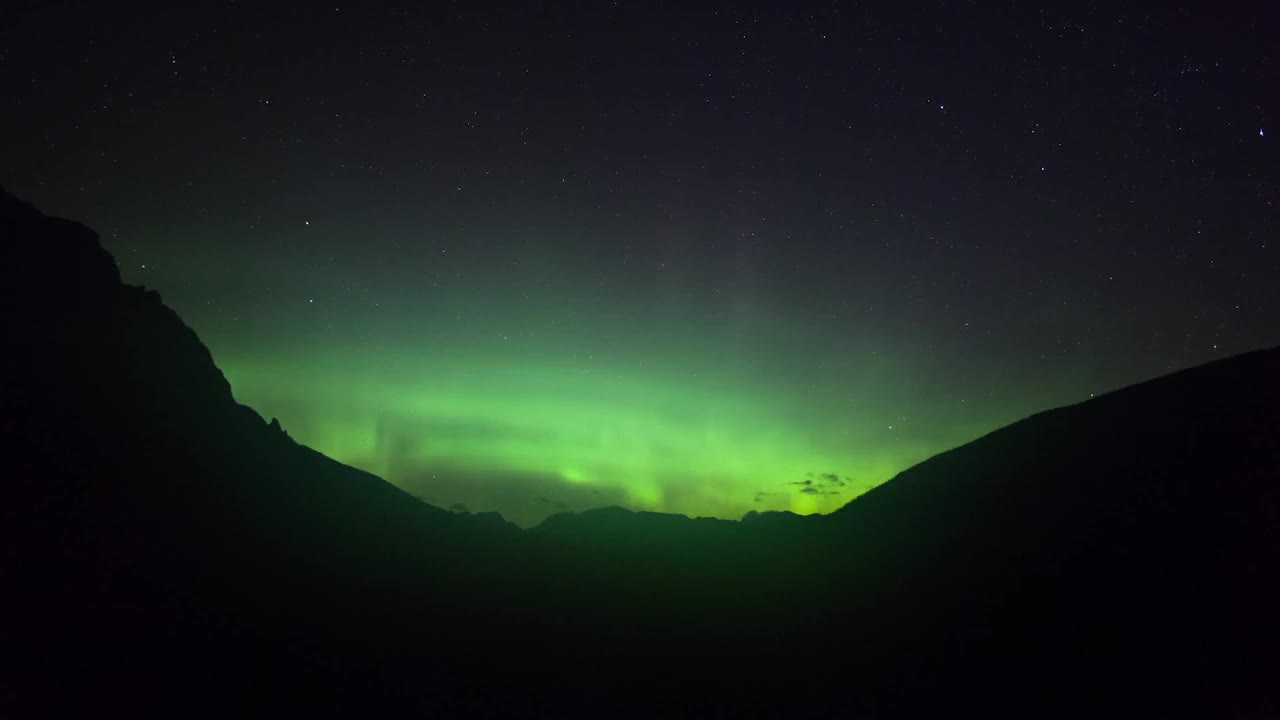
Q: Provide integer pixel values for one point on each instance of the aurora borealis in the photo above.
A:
(522, 258)
(553, 429)
(555, 403)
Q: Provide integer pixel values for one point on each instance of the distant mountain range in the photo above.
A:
(167, 551)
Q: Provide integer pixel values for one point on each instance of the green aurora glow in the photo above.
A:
(544, 386)
(566, 381)
(528, 428)
(700, 447)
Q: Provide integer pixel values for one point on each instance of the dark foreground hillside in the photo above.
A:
(164, 549)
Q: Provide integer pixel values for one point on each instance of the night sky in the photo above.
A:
(674, 256)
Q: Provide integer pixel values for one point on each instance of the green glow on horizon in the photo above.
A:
(535, 386)
(571, 434)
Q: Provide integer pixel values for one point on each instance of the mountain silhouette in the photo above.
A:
(139, 493)
(167, 550)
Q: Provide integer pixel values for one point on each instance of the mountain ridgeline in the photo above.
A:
(166, 550)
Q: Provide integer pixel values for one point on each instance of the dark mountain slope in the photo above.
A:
(1122, 551)
(1119, 551)
(1127, 545)
(164, 548)
(138, 494)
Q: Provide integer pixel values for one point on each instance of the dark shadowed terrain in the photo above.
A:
(167, 550)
